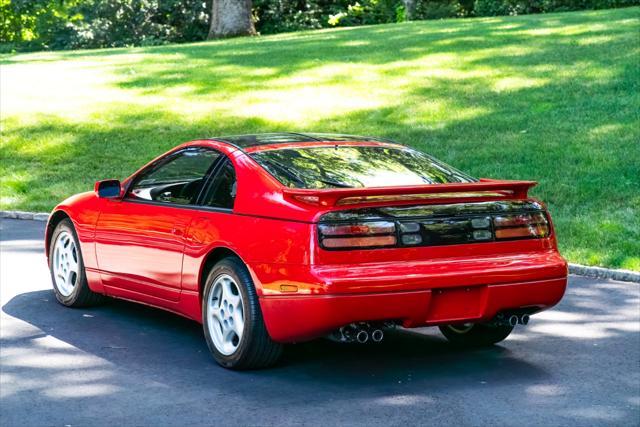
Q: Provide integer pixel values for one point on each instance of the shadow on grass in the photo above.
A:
(552, 98)
(519, 44)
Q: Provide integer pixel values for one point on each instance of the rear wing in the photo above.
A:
(485, 188)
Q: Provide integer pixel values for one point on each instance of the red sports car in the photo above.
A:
(279, 238)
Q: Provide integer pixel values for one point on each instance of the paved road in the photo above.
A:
(125, 364)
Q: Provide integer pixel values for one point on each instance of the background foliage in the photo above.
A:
(72, 24)
(549, 97)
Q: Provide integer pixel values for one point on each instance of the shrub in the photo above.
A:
(521, 7)
(438, 9)
(367, 12)
(276, 16)
(71, 24)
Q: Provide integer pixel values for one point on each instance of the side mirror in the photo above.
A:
(108, 188)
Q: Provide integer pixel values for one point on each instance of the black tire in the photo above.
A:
(81, 295)
(477, 335)
(255, 348)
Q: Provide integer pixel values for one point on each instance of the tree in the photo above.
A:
(231, 18)
(410, 9)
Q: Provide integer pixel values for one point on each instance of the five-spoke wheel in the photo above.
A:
(65, 263)
(232, 319)
(226, 314)
(67, 269)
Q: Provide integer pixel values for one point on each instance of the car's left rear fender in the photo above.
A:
(254, 240)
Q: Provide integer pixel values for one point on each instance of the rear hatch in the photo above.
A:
(378, 202)
(427, 222)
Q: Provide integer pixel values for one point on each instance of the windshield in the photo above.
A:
(355, 166)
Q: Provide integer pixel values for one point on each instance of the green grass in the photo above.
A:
(553, 98)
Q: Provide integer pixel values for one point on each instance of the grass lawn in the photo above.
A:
(553, 98)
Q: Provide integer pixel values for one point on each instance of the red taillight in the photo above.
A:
(521, 226)
(358, 235)
(380, 227)
(434, 230)
(361, 242)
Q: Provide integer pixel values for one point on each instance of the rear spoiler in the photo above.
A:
(485, 188)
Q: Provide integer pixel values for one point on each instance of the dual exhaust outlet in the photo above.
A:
(512, 319)
(363, 336)
(361, 333)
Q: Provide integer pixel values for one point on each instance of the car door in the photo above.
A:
(140, 237)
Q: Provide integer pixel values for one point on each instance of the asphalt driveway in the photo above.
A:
(125, 364)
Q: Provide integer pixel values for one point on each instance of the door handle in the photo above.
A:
(176, 231)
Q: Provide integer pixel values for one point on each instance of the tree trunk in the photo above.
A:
(409, 9)
(231, 18)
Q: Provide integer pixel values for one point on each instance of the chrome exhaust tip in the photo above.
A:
(513, 320)
(377, 335)
(362, 336)
(524, 319)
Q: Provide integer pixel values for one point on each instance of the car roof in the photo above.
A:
(270, 139)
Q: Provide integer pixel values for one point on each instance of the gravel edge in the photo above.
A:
(577, 269)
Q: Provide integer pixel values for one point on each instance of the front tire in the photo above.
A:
(67, 268)
(475, 335)
(232, 319)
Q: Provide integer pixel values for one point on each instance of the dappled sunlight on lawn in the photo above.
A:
(552, 98)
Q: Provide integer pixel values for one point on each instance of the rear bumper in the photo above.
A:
(301, 317)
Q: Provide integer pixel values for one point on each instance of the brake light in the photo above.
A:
(519, 226)
(354, 200)
(358, 235)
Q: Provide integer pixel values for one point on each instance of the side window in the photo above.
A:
(176, 181)
(222, 190)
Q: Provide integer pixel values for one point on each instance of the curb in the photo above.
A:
(34, 216)
(577, 269)
(604, 273)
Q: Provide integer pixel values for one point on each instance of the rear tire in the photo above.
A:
(67, 268)
(232, 319)
(475, 335)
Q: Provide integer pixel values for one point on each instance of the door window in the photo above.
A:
(177, 180)
(222, 191)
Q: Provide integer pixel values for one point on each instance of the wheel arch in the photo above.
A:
(212, 258)
(54, 219)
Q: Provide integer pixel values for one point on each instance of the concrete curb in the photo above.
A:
(35, 216)
(577, 269)
(604, 273)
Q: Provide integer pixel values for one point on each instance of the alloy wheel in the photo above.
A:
(65, 263)
(225, 314)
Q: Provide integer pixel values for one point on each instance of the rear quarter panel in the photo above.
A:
(264, 243)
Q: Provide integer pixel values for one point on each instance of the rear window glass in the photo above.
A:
(355, 166)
